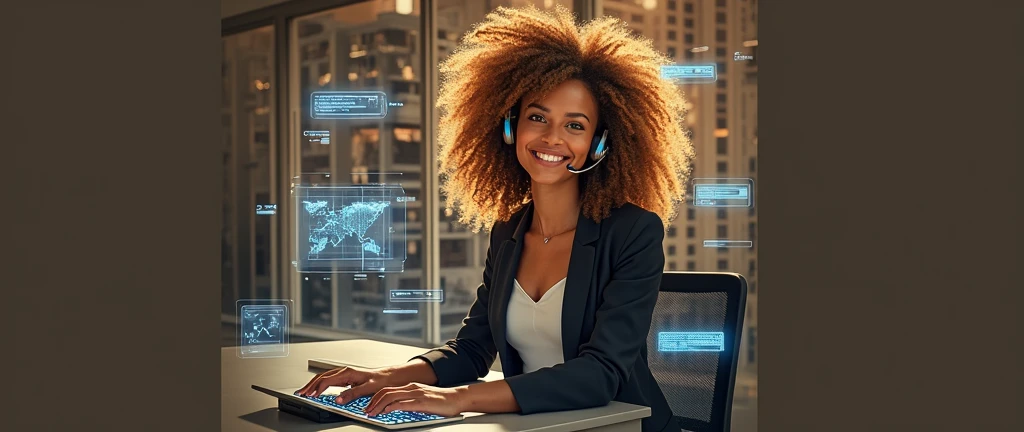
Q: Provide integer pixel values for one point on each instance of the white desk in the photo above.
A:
(245, 409)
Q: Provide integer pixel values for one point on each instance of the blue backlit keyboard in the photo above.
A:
(357, 406)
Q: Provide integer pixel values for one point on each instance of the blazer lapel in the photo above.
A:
(507, 262)
(577, 284)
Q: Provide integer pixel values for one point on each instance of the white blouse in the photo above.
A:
(535, 328)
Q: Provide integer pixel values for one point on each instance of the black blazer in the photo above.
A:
(612, 286)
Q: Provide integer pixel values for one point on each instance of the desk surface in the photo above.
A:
(245, 409)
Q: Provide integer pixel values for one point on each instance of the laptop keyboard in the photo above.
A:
(357, 406)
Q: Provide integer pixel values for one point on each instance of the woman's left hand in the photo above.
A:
(417, 397)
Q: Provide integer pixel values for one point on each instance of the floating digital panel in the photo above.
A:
(691, 74)
(340, 105)
(350, 229)
(728, 243)
(263, 327)
(691, 341)
(406, 295)
(723, 192)
(317, 137)
(739, 56)
(266, 209)
(401, 311)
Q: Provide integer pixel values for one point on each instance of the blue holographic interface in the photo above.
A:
(342, 105)
(691, 341)
(409, 296)
(317, 137)
(691, 74)
(263, 327)
(723, 192)
(266, 209)
(350, 229)
(728, 243)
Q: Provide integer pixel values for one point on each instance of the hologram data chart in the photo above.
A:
(351, 229)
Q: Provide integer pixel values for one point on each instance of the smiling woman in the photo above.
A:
(566, 142)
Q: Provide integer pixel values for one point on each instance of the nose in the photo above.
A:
(552, 135)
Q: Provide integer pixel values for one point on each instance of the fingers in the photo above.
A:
(336, 377)
(302, 391)
(389, 395)
(355, 392)
(417, 405)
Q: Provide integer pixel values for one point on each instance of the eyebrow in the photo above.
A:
(570, 115)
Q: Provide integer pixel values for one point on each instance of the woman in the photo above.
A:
(577, 182)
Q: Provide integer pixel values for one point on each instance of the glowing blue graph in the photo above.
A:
(263, 330)
(351, 229)
(691, 341)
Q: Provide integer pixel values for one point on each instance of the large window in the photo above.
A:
(247, 116)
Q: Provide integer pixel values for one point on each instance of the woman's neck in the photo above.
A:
(556, 207)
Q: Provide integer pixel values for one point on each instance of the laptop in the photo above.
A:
(323, 409)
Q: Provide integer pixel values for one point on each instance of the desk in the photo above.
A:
(245, 409)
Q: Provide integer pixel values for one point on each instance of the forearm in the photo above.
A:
(490, 397)
(415, 371)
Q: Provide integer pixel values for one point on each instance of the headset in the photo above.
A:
(598, 145)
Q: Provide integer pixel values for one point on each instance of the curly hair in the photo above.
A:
(516, 51)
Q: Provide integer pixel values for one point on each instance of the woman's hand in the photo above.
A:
(363, 381)
(417, 397)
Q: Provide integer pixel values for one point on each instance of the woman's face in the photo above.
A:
(555, 131)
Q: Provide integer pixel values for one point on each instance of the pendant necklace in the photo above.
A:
(548, 238)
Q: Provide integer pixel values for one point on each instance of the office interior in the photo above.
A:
(276, 53)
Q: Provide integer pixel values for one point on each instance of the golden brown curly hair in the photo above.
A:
(516, 51)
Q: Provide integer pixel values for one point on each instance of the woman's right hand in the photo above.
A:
(363, 382)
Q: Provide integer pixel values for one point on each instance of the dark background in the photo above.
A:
(888, 201)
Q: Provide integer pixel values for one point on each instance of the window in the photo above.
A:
(691, 250)
(671, 19)
(752, 231)
(688, 38)
(671, 35)
(723, 264)
(721, 123)
(723, 231)
(721, 68)
(671, 52)
(721, 98)
(753, 165)
(720, 3)
(720, 35)
(688, 7)
(721, 83)
(690, 265)
(720, 52)
(671, 5)
(720, 17)
(688, 23)
(722, 146)
(722, 168)
(671, 232)
(671, 266)
(691, 232)
(722, 214)
(691, 214)
(689, 55)
(671, 251)
(753, 268)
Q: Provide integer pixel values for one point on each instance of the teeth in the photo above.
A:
(549, 158)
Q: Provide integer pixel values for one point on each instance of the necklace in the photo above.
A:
(548, 238)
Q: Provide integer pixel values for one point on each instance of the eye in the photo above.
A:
(576, 125)
(536, 117)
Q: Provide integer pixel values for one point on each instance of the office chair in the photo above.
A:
(695, 377)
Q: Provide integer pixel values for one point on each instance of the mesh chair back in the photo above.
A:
(697, 314)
